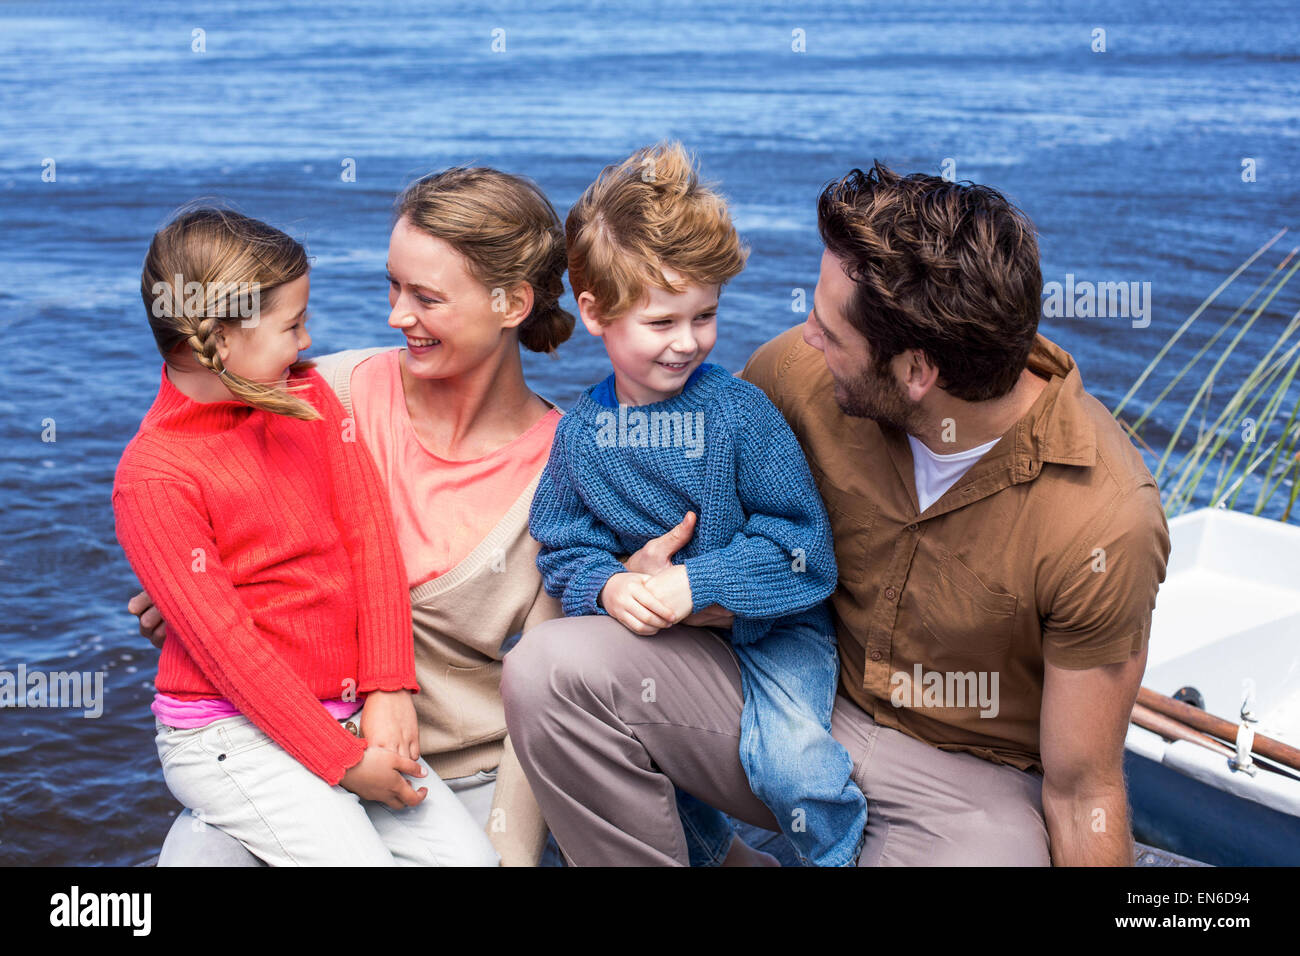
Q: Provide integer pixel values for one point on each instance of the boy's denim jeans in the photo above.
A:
(792, 762)
(708, 831)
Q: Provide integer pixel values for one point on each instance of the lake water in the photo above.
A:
(1130, 162)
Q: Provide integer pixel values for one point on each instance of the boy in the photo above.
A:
(649, 250)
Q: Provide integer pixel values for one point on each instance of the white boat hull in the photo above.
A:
(1227, 619)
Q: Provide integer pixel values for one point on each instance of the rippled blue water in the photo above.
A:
(1129, 161)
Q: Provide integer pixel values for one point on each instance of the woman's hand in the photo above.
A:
(388, 721)
(656, 555)
(379, 777)
(627, 600)
(152, 624)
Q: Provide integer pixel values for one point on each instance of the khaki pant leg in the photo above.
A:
(930, 807)
(605, 722)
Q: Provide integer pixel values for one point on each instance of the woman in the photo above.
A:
(475, 266)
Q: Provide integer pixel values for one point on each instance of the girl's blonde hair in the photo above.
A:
(508, 230)
(227, 254)
(647, 212)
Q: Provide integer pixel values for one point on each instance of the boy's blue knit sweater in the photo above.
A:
(619, 476)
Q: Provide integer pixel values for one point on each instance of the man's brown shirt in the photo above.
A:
(1051, 547)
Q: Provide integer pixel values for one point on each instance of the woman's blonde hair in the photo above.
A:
(508, 230)
(237, 262)
(649, 211)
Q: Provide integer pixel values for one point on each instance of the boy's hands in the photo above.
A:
(388, 721)
(379, 777)
(627, 600)
(672, 586)
(656, 555)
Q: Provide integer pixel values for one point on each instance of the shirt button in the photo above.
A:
(876, 655)
(911, 527)
(890, 594)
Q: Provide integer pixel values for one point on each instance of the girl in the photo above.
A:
(262, 530)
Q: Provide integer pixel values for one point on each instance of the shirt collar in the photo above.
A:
(603, 392)
(1057, 428)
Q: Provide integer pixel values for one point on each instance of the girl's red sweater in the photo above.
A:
(268, 545)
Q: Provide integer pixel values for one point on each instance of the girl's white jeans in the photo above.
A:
(235, 778)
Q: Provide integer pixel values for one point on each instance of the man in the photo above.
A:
(999, 541)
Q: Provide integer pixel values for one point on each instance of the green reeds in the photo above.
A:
(1242, 436)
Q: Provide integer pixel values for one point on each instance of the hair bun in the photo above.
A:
(547, 328)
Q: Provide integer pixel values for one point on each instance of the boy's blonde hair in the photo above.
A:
(648, 212)
(226, 252)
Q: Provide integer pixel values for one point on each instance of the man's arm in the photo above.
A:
(1084, 719)
(1095, 637)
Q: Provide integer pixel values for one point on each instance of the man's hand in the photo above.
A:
(1084, 719)
(152, 625)
(627, 600)
(388, 721)
(672, 586)
(715, 615)
(379, 777)
(656, 555)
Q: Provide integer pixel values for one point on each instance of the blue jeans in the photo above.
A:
(793, 764)
(708, 831)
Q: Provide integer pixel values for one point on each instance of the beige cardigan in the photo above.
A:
(461, 618)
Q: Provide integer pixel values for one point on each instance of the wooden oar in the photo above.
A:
(1158, 723)
(1268, 747)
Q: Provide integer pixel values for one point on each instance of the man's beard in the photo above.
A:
(876, 394)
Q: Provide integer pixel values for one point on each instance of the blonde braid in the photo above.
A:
(203, 340)
(280, 400)
(222, 250)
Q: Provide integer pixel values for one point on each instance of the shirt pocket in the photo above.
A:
(471, 702)
(967, 619)
(852, 518)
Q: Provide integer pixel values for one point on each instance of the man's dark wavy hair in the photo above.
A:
(950, 268)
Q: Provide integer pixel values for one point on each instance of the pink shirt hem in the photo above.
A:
(188, 714)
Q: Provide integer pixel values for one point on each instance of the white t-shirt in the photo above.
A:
(935, 474)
